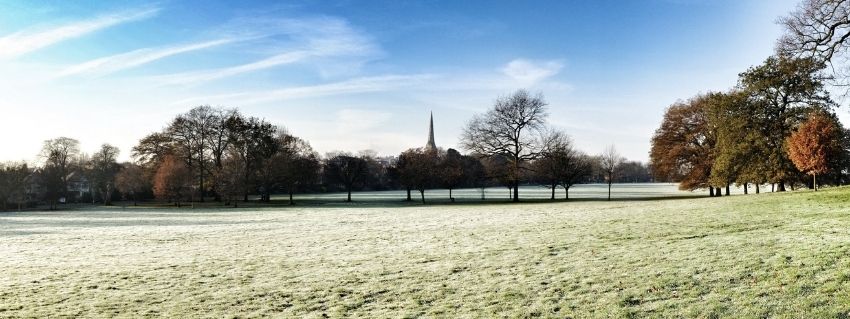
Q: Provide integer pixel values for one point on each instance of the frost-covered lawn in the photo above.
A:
(767, 255)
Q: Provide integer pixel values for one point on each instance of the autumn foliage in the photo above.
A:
(171, 180)
(811, 146)
(682, 148)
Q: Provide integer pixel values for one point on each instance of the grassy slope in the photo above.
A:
(768, 255)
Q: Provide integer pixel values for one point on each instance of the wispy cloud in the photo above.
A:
(529, 72)
(23, 42)
(118, 62)
(310, 38)
(197, 77)
(358, 85)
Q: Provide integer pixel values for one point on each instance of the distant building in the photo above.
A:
(431, 145)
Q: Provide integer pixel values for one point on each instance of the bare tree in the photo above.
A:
(230, 179)
(579, 169)
(561, 164)
(511, 129)
(152, 149)
(59, 156)
(819, 29)
(252, 141)
(294, 165)
(610, 161)
(218, 141)
(103, 168)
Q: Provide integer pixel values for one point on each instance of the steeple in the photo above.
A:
(431, 145)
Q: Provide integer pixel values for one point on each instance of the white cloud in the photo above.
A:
(23, 42)
(357, 85)
(529, 72)
(196, 77)
(313, 38)
(118, 62)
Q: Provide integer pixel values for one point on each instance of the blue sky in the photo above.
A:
(356, 75)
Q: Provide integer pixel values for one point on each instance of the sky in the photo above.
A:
(357, 75)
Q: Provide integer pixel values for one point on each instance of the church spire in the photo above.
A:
(431, 145)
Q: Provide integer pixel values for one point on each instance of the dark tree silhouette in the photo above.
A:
(252, 143)
(346, 170)
(103, 167)
(295, 164)
(452, 171)
(13, 178)
(59, 156)
(418, 169)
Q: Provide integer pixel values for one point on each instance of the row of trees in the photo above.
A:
(776, 126)
(220, 154)
(515, 133)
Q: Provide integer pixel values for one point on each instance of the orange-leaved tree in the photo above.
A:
(172, 180)
(811, 146)
(683, 148)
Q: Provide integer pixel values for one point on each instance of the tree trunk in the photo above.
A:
(108, 199)
(408, 194)
(727, 189)
(553, 191)
(566, 192)
(815, 181)
(349, 195)
(772, 187)
(757, 188)
(710, 191)
(516, 192)
(422, 193)
(746, 186)
(781, 186)
(201, 186)
(609, 189)
(450, 196)
(290, 197)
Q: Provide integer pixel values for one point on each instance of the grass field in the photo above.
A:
(767, 255)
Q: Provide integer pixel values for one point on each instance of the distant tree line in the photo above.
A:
(219, 154)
